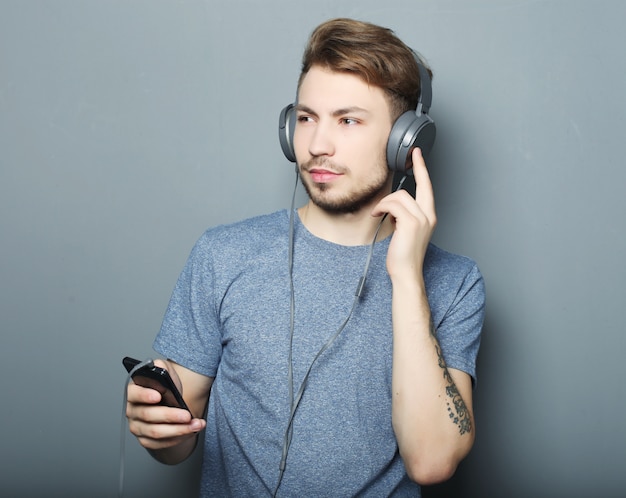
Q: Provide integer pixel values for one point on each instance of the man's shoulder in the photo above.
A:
(441, 265)
(452, 279)
(437, 256)
(251, 233)
(249, 229)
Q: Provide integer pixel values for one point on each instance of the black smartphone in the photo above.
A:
(158, 379)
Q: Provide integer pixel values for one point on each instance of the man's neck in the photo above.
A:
(348, 229)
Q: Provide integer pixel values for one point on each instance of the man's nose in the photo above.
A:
(322, 140)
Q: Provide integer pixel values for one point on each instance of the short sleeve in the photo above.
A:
(190, 332)
(459, 328)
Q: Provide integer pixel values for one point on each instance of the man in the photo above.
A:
(311, 391)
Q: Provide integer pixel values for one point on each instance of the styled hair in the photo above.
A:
(373, 53)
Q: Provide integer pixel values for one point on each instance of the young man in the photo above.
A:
(310, 390)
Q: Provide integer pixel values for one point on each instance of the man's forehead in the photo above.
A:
(336, 91)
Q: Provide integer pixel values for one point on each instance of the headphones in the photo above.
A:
(412, 129)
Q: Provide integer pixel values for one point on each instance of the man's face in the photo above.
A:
(340, 140)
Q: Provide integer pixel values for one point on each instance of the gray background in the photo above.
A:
(128, 127)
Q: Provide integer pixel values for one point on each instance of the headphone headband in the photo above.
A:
(426, 89)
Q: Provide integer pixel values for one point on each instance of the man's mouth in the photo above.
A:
(321, 175)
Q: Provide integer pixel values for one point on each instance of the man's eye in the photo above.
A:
(349, 121)
(304, 119)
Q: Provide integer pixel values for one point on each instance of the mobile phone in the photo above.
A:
(158, 379)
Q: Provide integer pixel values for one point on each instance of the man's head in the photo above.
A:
(356, 79)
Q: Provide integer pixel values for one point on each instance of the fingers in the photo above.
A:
(414, 220)
(157, 426)
(143, 404)
(400, 202)
(398, 205)
(142, 395)
(423, 187)
(160, 436)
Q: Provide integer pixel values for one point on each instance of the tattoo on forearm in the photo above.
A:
(457, 411)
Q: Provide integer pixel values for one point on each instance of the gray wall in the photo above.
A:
(128, 127)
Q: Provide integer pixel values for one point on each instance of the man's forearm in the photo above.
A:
(432, 422)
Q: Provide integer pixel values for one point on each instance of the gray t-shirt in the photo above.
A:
(229, 318)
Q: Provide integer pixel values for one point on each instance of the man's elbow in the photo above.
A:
(435, 467)
(427, 474)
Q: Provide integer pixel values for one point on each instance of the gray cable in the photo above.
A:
(148, 362)
(294, 402)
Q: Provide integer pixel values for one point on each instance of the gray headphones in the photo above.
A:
(412, 129)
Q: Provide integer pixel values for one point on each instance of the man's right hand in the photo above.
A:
(170, 434)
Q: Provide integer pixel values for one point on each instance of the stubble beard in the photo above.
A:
(321, 194)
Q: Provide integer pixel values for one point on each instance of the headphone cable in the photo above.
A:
(148, 362)
(295, 401)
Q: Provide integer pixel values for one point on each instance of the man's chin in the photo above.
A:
(339, 206)
(325, 197)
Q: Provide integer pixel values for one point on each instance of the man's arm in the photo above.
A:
(431, 404)
(169, 434)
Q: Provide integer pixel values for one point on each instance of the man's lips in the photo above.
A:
(323, 175)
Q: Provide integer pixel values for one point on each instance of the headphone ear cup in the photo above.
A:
(409, 131)
(286, 127)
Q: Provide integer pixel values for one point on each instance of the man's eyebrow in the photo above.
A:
(337, 112)
(305, 109)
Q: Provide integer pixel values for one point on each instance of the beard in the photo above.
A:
(324, 197)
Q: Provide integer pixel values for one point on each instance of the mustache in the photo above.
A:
(323, 163)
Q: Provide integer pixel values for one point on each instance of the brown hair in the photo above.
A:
(371, 52)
